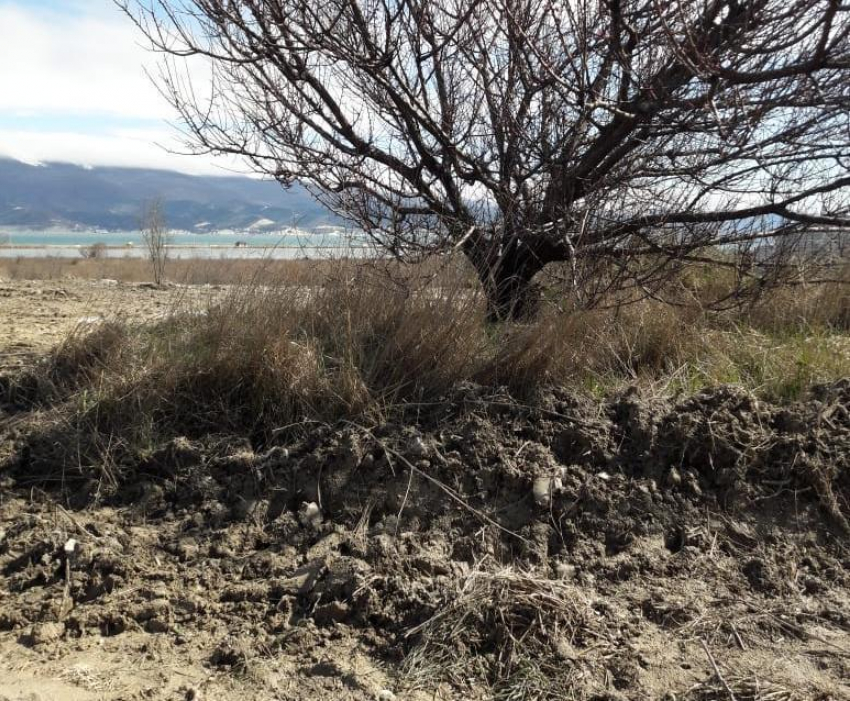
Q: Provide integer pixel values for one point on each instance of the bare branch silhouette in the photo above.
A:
(603, 133)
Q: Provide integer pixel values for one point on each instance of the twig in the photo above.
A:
(75, 522)
(738, 638)
(717, 671)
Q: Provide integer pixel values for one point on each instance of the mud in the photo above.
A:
(631, 549)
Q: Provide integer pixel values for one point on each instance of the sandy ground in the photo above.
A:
(35, 315)
(679, 551)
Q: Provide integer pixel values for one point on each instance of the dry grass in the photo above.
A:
(200, 271)
(526, 635)
(224, 271)
(368, 343)
(741, 689)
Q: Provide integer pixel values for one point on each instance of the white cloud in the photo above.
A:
(123, 147)
(75, 63)
(73, 88)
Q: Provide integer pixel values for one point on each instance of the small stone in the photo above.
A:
(310, 515)
(70, 546)
(44, 633)
(542, 491)
(417, 448)
(674, 479)
(386, 695)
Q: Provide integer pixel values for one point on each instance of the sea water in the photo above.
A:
(130, 244)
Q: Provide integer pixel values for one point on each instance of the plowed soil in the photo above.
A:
(687, 548)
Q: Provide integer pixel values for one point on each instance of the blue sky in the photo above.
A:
(73, 88)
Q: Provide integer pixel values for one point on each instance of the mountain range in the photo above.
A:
(71, 196)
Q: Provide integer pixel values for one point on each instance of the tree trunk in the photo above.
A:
(512, 297)
(511, 294)
(506, 267)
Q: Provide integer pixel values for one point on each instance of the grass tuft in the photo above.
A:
(522, 633)
(365, 343)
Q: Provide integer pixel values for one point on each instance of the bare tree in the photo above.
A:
(156, 238)
(624, 137)
(94, 251)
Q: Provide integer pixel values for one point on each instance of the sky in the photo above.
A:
(73, 88)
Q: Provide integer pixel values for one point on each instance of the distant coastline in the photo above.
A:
(289, 243)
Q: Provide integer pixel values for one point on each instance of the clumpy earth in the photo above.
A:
(682, 549)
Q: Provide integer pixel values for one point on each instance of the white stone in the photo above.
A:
(542, 490)
(310, 515)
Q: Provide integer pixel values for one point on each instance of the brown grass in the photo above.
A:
(363, 342)
(199, 271)
(516, 630)
(222, 271)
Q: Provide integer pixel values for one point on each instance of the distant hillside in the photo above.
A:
(59, 194)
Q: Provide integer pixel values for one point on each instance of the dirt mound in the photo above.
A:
(624, 549)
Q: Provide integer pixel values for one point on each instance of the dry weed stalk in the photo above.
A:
(741, 688)
(522, 632)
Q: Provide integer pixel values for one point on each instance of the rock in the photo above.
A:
(674, 478)
(542, 491)
(416, 448)
(386, 695)
(44, 633)
(310, 515)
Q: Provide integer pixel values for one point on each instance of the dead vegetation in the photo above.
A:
(372, 344)
(190, 271)
(517, 630)
(297, 342)
(597, 504)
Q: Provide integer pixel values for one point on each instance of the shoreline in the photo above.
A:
(200, 251)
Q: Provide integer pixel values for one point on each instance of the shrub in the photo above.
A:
(94, 251)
